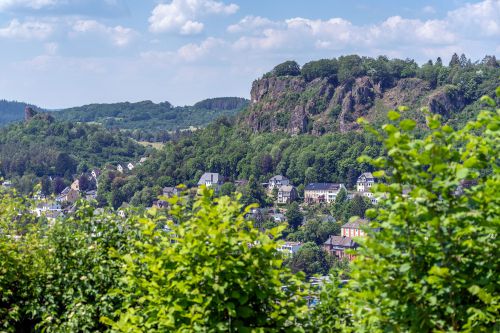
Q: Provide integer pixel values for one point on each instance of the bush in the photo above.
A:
(324, 68)
(211, 272)
(287, 68)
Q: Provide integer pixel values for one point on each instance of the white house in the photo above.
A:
(119, 168)
(322, 192)
(45, 207)
(365, 182)
(211, 179)
(130, 166)
(364, 185)
(278, 181)
(289, 248)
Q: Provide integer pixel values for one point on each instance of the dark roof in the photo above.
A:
(323, 187)
(367, 175)
(341, 241)
(356, 224)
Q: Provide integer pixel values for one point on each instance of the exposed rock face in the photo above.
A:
(446, 100)
(406, 92)
(295, 106)
(29, 113)
(291, 104)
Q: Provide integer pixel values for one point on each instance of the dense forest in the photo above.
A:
(42, 147)
(148, 121)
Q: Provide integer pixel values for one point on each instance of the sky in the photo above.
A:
(62, 53)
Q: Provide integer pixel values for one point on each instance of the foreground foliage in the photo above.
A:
(431, 262)
(211, 272)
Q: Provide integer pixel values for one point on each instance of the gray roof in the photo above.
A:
(341, 241)
(356, 224)
(65, 191)
(367, 175)
(286, 188)
(323, 187)
(212, 177)
(278, 177)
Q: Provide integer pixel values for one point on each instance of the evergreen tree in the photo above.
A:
(294, 216)
(455, 61)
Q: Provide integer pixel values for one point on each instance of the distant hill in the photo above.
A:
(43, 147)
(147, 115)
(12, 111)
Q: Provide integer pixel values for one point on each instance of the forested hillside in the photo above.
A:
(43, 147)
(146, 118)
(11, 111)
(319, 104)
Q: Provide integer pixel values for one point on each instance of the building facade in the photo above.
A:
(322, 192)
(277, 181)
(286, 194)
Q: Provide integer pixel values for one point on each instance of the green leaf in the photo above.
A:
(433, 123)
(393, 115)
(488, 100)
(404, 267)
(462, 173)
(407, 124)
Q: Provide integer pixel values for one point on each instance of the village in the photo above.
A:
(279, 188)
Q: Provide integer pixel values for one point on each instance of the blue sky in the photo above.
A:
(60, 53)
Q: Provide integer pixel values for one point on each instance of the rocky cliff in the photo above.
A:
(291, 104)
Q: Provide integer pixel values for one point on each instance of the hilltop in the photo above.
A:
(150, 116)
(42, 147)
(328, 95)
(146, 118)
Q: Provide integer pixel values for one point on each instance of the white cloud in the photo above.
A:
(120, 36)
(250, 24)
(191, 28)
(185, 54)
(192, 52)
(472, 28)
(341, 34)
(481, 19)
(182, 15)
(26, 30)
